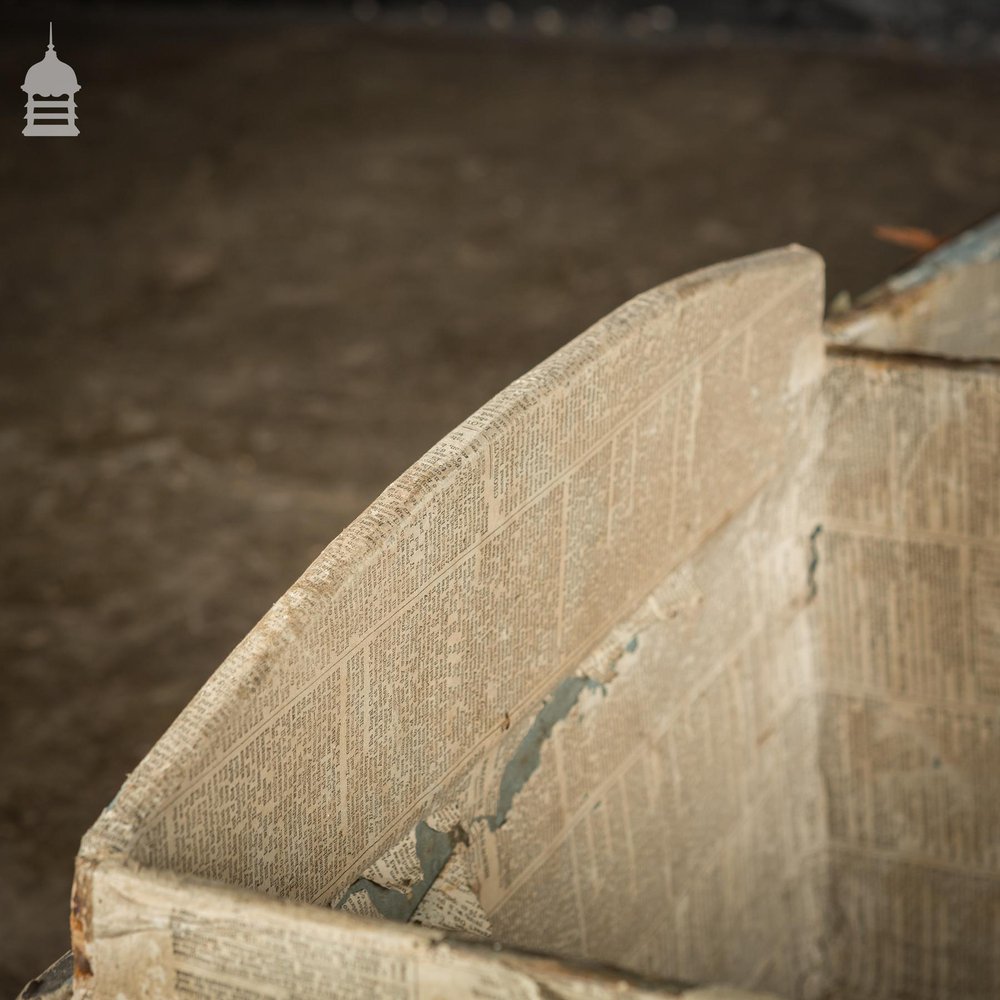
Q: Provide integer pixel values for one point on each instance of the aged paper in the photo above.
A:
(909, 738)
(681, 656)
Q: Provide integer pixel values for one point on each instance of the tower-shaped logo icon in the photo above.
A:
(51, 88)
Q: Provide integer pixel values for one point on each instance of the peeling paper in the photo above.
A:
(397, 882)
(426, 877)
(526, 758)
(451, 903)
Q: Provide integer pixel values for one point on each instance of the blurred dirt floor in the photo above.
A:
(282, 259)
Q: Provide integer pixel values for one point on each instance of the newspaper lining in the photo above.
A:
(676, 651)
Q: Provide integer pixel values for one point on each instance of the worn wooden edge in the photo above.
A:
(55, 983)
(945, 305)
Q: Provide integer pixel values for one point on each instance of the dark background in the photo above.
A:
(293, 246)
